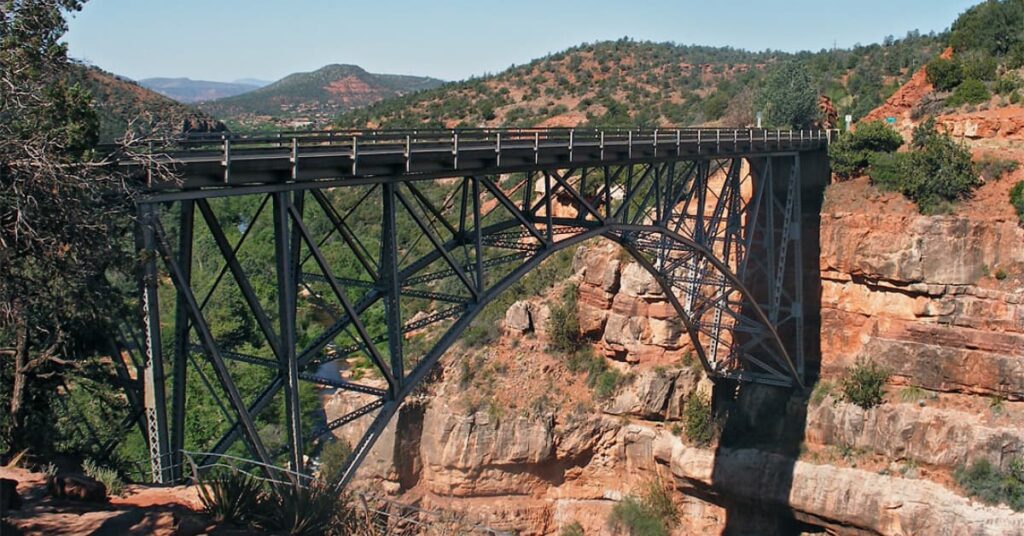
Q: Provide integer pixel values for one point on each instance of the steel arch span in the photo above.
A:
(354, 259)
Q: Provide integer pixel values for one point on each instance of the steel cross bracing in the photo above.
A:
(380, 248)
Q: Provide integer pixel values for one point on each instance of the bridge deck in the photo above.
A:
(237, 164)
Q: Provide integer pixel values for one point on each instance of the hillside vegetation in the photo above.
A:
(626, 82)
(119, 102)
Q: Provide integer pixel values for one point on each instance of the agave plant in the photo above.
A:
(300, 510)
(232, 497)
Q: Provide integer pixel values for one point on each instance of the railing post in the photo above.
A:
(355, 152)
(455, 149)
(629, 145)
(678, 143)
(227, 159)
(497, 149)
(572, 133)
(602, 145)
(408, 152)
(295, 158)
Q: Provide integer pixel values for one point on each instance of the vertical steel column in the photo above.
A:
(155, 400)
(798, 268)
(288, 368)
(181, 339)
(548, 208)
(478, 238)
(392, 285)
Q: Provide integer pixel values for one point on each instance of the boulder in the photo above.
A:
(518, 318)
(75, 487)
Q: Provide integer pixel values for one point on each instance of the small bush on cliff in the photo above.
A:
(700, 427)
(864, 383)
(989, 484)
(971, 91)
(573, 529)
(564, 323)
(1017, 200)
(994, 168)
(851, 154)
(653, 514)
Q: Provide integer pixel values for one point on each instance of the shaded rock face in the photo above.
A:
(845, 501)
(9, 498)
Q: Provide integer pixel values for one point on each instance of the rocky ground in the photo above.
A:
(141, 510)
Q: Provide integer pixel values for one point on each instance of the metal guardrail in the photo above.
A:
(348, 150)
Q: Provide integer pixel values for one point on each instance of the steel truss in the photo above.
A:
(721, 236)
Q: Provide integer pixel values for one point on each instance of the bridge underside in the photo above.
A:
(378, 279)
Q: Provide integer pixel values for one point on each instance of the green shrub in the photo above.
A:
(632, 517)
(944, 74)
(864, 383)
(993, 168)
(979, 66)
(822, 390)
(653, 514)
(971, 91)
(233, 497)
(1017, 200)
(989, 484)
(564, 323)
(936, 172)
(698, 420)
(603, 379)
(888, 170)
(332, 459)
(573, 529)
(1015, 97)
(1008, 84)
(850, 155)
(107, 476)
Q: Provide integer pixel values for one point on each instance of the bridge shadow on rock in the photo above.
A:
(762, 426)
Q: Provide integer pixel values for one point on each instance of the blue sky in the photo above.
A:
(231, 39)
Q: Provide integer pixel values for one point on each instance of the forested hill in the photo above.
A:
(314, 97)
(120, 102)
(628, 82)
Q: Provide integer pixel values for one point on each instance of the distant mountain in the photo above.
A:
(315, 98)
(188, 90)
(253, 82)
(120, 102)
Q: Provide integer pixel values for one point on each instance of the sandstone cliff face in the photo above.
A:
(919, 292)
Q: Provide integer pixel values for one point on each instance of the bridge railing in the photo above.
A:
(453, 138)
(252, 158)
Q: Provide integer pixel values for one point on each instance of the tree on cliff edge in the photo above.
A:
(789, 97)
(64, 219)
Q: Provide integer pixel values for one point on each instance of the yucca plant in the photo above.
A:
(232, 497)
(300, 511)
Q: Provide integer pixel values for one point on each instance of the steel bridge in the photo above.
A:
(372, 236)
